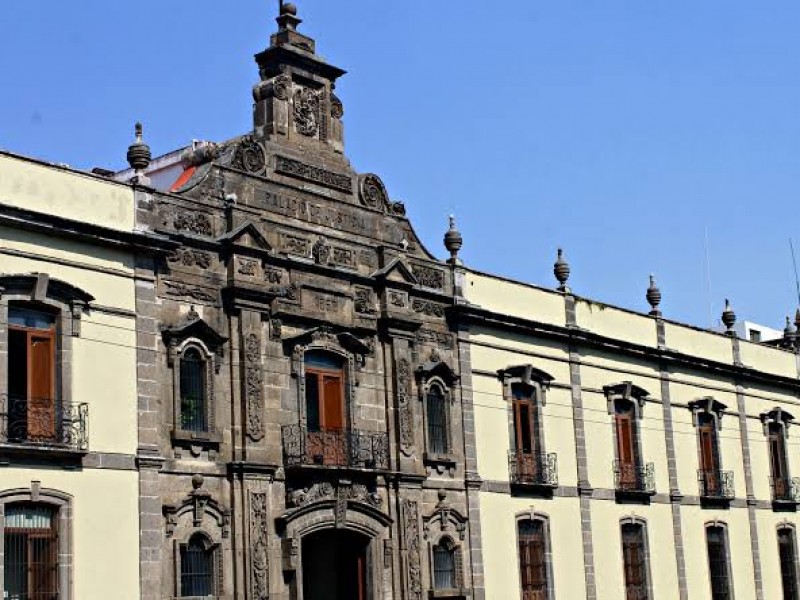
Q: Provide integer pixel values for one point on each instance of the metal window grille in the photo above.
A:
(718, 563)
(193, 391)
(532, 560)
(786, 550)
(634, 556)
(444, 567)
(437, 421)
(197, 568)
(31, 553)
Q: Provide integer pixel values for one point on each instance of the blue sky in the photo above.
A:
(619, 130)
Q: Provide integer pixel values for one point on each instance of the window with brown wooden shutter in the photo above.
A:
(709, 454)
(533, 566)
(31, 552)
(33, 402)
(777, 460)
(634, 555)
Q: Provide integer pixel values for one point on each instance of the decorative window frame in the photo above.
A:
(67, 302)
(436, 372)
(62, 504)
(544, 519)
(195, 333)
(539, 382)
(210, 544)
(199, 513)
(635, 396)
(709, 406)
(447, 525)
(791, 527)
(724, 526)
(347, 347)
(776, 416)
(639, 522)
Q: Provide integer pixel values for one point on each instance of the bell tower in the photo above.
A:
(295, 102)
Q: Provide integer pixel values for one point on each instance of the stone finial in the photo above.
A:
(453, 242)
(789, 333)
(728, 317)
(561, 270)
(139, 155)
(197, 481)
(287, 19)
(654, 297)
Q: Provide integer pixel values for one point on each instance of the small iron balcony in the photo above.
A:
(335, 448)
(44, 423)
(630, 478)
(715, 485)
(528, 469)
(785, 489)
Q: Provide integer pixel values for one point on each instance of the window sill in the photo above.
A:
(440, 463)
(197, 437)
(458, 594)
(62, 453)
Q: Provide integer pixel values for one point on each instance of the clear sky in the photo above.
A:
(619, 130)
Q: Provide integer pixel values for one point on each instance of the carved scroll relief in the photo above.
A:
(252, 385)
(404, 405)
(412, 546)
(259, 527)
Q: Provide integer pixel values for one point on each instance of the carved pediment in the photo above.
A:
(194, 327)
(246, 235)
(436, 367)
(198, 504)
(327, 337)
(625, 390)
(527, 374)
(396, 271)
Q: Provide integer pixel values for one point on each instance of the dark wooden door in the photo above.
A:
(526, 438)
(626, 449)
(41, 386)
(708, 457)
(777, 460)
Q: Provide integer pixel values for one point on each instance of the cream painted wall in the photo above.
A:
(768, 523)
(56, 191)
(513, 298)
(501, 565)
(616, 323)
(768, 359)
(701, 343)
(105, 506)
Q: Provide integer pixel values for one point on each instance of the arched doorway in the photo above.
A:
(335, 565)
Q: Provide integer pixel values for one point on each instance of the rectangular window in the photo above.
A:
(788, 557)
(532, 560)
(31, 553)
(437, 421)
(32, 410)
(755, 335)
(634, 554)
(718, 563)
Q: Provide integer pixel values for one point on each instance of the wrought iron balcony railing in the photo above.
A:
(44, 423)
(533, 469)
(634, 479)
(715, 484)
(785, 489)
(335, 448)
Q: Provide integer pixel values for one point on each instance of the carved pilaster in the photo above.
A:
(412, 550)
(252, 385)
(259, 561)
(405, 407)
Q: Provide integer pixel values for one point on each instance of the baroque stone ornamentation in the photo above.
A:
(300, 170)
(247, 267)
(372, 191)
(306, 111)
(342, 256)
(190, 258)
(404, 405)
(252, 359)
(280, 87)
(337, 108)
(412, 546)
(325, 490)
(199, 223)
(295, 245)
(174, 288)
(250, 156)
(259, 531)
(397, 299)
(276, 329)
(273, 276)
(429, 277)
(363, 301)
(429, 309)
(443, 340)
(321, 251)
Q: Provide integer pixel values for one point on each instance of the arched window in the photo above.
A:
(193, 382)
(445, 567)
(198, 567)
(32, 376)
(787, 550)
(718, 562)
(533, 559)
(634, 556)
(31, 551)
(436, 420)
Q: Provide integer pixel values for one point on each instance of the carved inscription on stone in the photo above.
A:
(306, 111)
(177, 289)
(199, 223)
(404, 405)
(429, 309)
(443, 340)
(259, 530)
(190, 258)
(428, 277)
(412, 544)
(339, 217)
(327, 302)
(252, 362)
(299, 170)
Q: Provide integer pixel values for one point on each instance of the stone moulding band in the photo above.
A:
(300, 170)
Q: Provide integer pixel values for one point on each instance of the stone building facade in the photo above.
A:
(302, 430)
